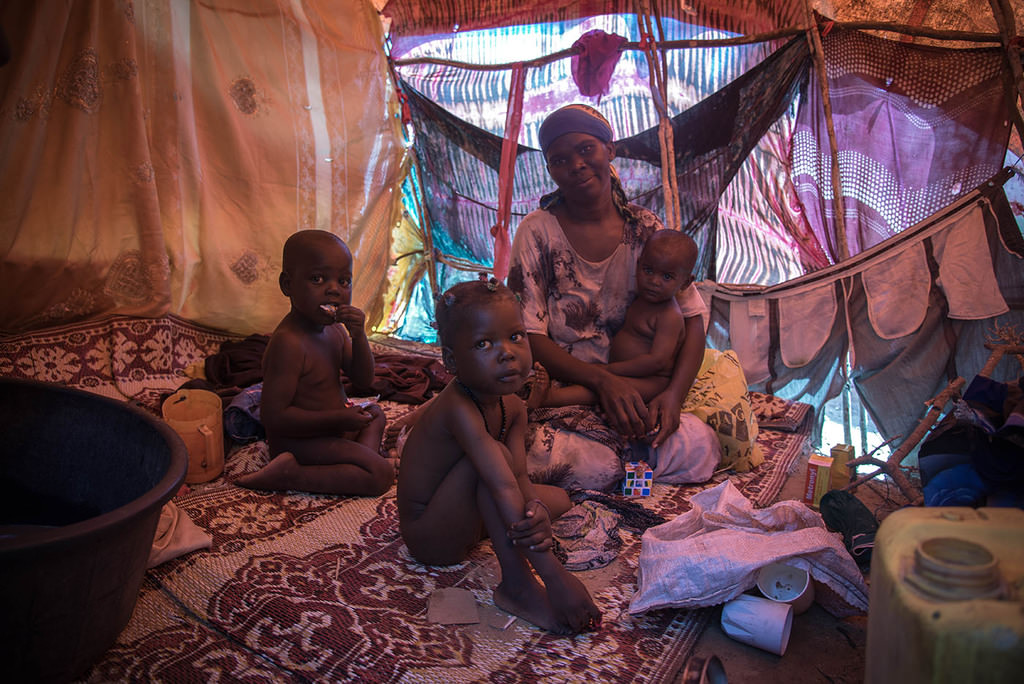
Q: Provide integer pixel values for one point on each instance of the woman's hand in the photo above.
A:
(623, 405)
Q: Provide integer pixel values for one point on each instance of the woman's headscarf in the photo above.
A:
(574, 118)
(581, 118)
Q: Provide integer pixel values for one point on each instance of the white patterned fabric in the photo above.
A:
(712, 553)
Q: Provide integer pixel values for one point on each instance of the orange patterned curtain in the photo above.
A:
(157, 154)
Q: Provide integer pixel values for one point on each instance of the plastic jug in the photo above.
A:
(946, 596)
(197, 416)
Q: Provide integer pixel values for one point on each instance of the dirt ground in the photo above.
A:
(822, 648)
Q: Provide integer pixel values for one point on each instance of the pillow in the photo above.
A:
(719, 398)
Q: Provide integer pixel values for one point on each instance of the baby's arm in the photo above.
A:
(357, 355)
(664, 408)
(669, 327)
(282, 366)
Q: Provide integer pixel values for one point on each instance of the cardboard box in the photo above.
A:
(818, 478)
(841, 455)
(639, 479)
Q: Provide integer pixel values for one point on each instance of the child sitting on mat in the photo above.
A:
(319, 441)
(463, 469)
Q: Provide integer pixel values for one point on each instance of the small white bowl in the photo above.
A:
(787, 584)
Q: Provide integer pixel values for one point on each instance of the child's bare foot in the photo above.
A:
(395, 428)
(571, 604)
(536, 387)
(271, 475)
(530, 602)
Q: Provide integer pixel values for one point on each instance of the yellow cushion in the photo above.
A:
(719, 398)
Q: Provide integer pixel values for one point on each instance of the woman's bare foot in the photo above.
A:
(271, 475)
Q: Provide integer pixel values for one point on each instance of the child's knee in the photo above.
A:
(383, 476)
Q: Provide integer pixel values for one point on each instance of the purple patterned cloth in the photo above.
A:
(916, 127)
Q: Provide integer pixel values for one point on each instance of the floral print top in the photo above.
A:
(580, 304)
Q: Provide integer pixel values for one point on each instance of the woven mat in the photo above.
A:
(300, 587)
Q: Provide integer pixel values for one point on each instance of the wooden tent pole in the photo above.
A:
(923, 32)
(669, 135)
(1003, 14)
(658, 75)
(837, 186)
(425, 230)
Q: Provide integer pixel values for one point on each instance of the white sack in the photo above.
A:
(712, 553)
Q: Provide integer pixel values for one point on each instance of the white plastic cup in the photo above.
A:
(787, 584)
(758, 622)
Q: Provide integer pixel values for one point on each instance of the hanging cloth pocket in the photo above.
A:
(965, 268)
(805, 323)
(751, 347)
(897, 292)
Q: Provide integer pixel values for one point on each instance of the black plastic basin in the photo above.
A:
(82, 482)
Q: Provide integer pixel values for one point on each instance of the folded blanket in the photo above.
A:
(239, 363)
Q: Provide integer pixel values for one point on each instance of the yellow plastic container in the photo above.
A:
(946, 597)
(197, 416)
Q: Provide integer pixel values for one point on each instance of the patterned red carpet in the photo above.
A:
(300, 587)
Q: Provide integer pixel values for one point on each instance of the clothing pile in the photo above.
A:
(975, 455)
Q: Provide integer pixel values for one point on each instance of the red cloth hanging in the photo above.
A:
(593, 67)
(506, 174)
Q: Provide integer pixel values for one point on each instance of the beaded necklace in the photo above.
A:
(501, 403)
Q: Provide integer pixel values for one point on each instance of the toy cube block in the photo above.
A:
(639, 479)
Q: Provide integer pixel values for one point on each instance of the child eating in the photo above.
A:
(463, 469)
(319, 442)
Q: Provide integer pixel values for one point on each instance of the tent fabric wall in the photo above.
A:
(915, 126)
(157, 154)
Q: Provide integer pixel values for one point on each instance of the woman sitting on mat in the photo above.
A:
(574, 266)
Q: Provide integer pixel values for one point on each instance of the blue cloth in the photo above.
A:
(242, 417)
(957, 486)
